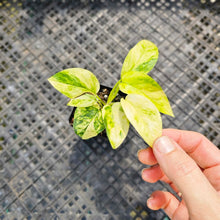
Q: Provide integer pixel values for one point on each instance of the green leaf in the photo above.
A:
(144, 116)
(140, 83)
(116, 123)
(74, 82)
(88, 122)
(113, 93)
(84, 100)
(142, 57)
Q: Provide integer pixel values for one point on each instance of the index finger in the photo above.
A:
(203, 151)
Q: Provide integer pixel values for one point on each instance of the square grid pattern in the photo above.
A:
(46, 171)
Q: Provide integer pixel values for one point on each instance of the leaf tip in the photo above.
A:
(114, 146)
(171, 113)
(69, 103)
(49, 79)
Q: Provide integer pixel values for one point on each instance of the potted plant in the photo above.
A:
(136, 98)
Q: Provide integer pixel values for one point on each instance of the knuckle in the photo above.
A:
(185, 168)
(213, 174)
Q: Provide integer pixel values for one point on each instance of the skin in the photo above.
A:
(190, 163)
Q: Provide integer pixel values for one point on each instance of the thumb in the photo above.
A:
(183, 171)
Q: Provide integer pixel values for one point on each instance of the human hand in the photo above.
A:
(190, 163)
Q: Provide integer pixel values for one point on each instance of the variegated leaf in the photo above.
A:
(75, 82)
(142, 57)
(88, 122)
(140, 83)
(144, 116)
(84, 100)
(116, 123)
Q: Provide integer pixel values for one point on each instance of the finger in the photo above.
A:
(213, 175)
(172, 185)
(204, 152)
(165, 179)
(184, 173)
(152, 174)
(146, 156)
(168, 181)
(166, 201)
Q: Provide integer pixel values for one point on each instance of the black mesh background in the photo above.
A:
(46, 171)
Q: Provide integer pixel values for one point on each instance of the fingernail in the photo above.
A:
(150, 202)
(139, 152)
(142, 171)
(164, 145)
(144, 174)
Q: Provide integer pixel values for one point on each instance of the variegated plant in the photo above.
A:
(141, 107)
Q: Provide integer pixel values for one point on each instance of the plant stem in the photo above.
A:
(102, 102)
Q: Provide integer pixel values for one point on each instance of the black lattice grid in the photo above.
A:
(46, 171)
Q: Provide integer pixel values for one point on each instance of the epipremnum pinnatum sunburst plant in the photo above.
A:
(141, 107)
